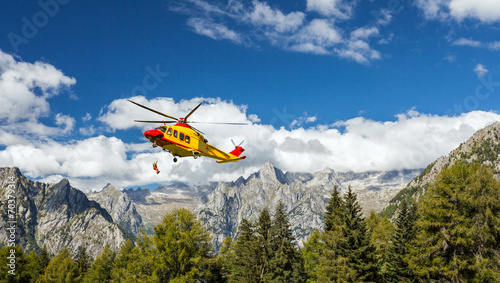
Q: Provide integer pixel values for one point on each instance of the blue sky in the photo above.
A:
(316, 77)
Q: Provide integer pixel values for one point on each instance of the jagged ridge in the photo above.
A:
(57, 216)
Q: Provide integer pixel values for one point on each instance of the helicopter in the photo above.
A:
(184, 140)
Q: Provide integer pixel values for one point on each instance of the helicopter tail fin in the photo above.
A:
(238, 150)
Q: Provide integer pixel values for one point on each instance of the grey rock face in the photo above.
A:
(56, 216)
(305, 197)
(120, 207)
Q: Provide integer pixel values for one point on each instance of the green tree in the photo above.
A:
(83, 260)
(334, 215)
(263, 237)
(15, 266)
(356, 247)
(244, 267)
(312, 253)
(459, 227)
(394, 267)
(347, 254)
(61, 269)
(227, 255)
(183, 247)
(136, 264)
(101, 268)
(285, 262)
(381, 230)
(44, 258)
(325, 260)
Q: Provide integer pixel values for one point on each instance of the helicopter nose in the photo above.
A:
(153, 134)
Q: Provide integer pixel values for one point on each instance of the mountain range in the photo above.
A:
(58, 215)
(55, 216)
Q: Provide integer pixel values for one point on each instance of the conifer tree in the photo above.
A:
(334, 215)
(381, 230)
(356, 246)
(285, 262)
(246, 258)
(83, 260)
(312, 252)
(227, 254)
(394, 268)
(101, 268)
(61, 268)
(263, 233)
(44, 258)
(136, 264)
(183, 247)
(19, 268)
(458, 235)
(32, 268)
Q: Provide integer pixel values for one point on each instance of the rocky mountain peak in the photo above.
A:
(110, 188)
(119, 206)
(58, 215)
(269, 173)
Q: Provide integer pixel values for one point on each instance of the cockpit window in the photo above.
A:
(162, 129)
(169, 132)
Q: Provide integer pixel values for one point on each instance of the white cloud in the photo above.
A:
(483, 10)
(364, 33)
(300, 31)
(316, 37)
(263, 15)
(213, 30)
(494, 45)
(336, 8)
(467, 42)
(413, 140)
(65, 121)
(486, 11)
(357, 48)
(480, 70)
(26, 87)
(433, 9)
(87, 117)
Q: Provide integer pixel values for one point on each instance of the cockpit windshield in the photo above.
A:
(162, 129)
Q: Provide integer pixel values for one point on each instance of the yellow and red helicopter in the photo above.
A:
(184, 140)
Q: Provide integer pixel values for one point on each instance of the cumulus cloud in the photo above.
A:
(26, 87)
(486, 11)
(412, 140)
(25, 92)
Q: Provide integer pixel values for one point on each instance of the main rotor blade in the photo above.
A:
(196, 130)
(221, 123)
(157, 122)
(185, 118)
(152, 110)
